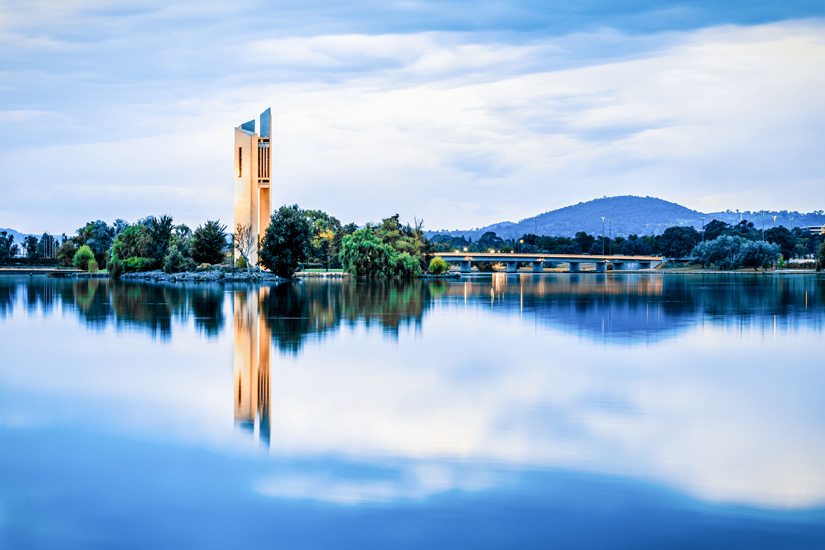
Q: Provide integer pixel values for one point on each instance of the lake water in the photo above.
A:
(499, 411)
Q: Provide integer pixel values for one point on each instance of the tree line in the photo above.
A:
(298, 238)
(733, 245)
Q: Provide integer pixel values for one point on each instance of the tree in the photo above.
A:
(585, 241)
(757, 254)
(782, 237)
(438, 266)
(82, 257)
(715, 228)
(160, 232)
(244, 242)
(130, 251)
(66, 252)
(31, 248)
(287, 241)
(8, 249)
(820, 257)
(209, 243)
(489, 240)
(326, 238)
(677, 242)
(722, 252)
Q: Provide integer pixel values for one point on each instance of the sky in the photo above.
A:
(461, 113)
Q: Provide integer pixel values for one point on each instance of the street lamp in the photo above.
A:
(520, 242)
(602, 235)
(610, 242)
(703, 229)
(763, 225)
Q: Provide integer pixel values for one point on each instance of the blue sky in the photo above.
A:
(461, 113)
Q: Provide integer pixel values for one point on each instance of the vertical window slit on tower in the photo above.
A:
(240, 161)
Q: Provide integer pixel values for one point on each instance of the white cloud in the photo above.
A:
(459, 129)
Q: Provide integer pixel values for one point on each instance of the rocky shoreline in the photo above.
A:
(211, 276)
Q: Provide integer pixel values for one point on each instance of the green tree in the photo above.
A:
(715, 228)
(677, 242)
(757, 254)
(287, 241)
(438, 266)
(782, 237)
(209, 243)
(66, 252)
(160, 233)
(365, 254)
(130, 251)
(585, 242)
(8, 249)
(327, 233)
(820, 257)
(31, 249)
(175, 261)
(82, 257)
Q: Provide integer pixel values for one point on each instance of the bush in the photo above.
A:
(175, 261)
(82, 258)
(287, 241)
(92, 268)
(438, 266)
(241, 263)
(209, 243)
(134, 264)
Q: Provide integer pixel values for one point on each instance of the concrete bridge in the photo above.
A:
(538, 261)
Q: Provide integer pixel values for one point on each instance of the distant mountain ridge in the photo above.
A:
(626, 215)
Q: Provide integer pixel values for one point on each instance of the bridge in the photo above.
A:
(538, 261)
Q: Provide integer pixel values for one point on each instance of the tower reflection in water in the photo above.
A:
(252, 362)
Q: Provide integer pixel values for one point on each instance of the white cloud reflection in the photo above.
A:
(726, 414)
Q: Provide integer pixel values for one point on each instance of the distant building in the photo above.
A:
(817, 229)
(253, 202)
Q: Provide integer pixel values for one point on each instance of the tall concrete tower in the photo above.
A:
(253, 202)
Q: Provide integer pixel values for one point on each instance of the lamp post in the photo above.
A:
(602, 235)
(703, 229)
(763, 225)
(520, 242)
(610, 242)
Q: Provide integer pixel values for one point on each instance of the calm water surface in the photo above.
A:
(502, 411)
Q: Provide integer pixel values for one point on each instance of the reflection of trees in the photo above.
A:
(634, 304)
(99, 302)
(295, 311)
(8, 292)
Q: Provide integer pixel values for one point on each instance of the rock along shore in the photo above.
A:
(211, 276)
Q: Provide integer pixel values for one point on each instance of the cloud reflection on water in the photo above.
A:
(706, 385)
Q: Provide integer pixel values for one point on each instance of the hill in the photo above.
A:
(626, 215)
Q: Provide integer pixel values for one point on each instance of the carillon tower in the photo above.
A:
(253, 201)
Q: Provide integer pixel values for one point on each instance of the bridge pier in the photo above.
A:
(512, 267)
(600, 267)
(538, 267)
(466, 266)
(574, 267)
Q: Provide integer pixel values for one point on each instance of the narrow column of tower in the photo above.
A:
(253, 201)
